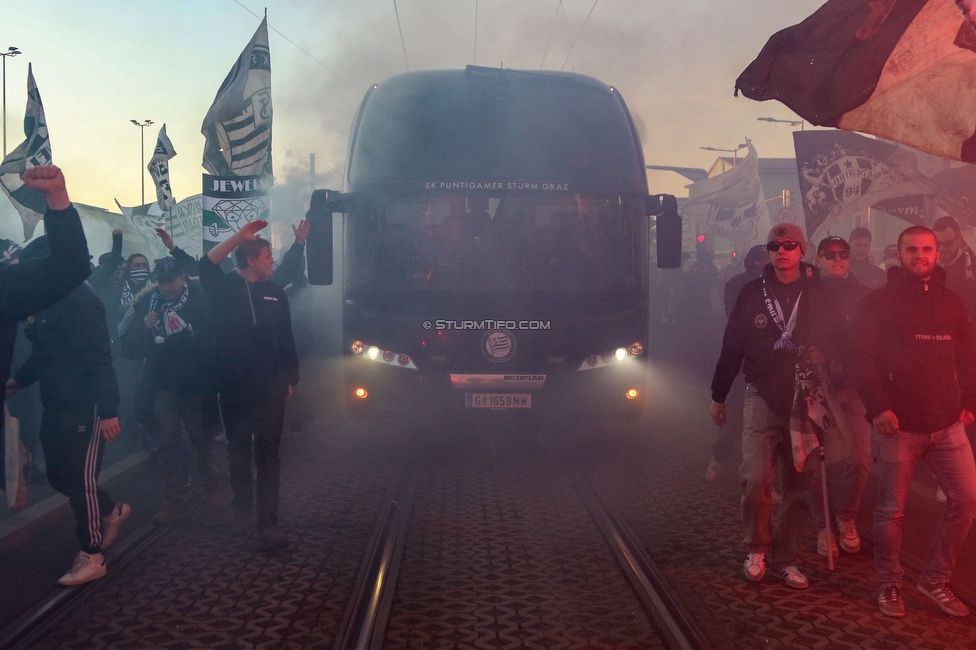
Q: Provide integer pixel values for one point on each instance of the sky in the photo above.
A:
(99, 64)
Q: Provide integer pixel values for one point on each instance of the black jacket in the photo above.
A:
(252, 323)
(912, 340)
(72, 356)
(28, 287)
(182, 362)
(835, 323)
(751, 333)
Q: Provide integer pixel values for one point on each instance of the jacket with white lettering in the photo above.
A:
(751, 334)
(914, 352)
(252, 323)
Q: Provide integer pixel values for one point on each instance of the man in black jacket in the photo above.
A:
(914, 361)
(770, 320)
(170, 327)
(72, 361)
(257, 370)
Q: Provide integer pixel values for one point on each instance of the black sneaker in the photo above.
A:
(269, 539)
(946, 599)
(890, 602)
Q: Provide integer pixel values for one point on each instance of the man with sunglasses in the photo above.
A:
(913, 357)
(958, 260)
(846, 479)
(771, 318)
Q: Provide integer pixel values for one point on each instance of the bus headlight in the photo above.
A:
(384, 356)
(610, 357)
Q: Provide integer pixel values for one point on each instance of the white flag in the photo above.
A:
(35, 151)
(146, 218)
(732, 204)
(238, 125)
(159, 170)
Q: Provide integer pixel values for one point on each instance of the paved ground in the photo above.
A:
(500, 553)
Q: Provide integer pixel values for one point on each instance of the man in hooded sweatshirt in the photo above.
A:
(771, 319)
(71, 359)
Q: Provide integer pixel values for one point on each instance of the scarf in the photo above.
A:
(785, 342)
(169, 320)
(130, 287)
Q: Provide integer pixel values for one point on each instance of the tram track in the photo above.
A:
(28, 628)
(365, 621)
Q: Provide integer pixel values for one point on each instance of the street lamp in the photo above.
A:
(798, 123)
(11, 51)
(142, 169)
(734, 152)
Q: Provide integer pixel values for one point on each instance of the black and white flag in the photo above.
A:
(35, 151)
(238, 125)
(159, 170)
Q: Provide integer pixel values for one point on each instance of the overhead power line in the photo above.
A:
(579, 32)
(551, 30)
(297, 45)
(402, 44)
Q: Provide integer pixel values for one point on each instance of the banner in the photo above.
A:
(904, 70)
(35, 151)
(843, 173)
(238, 125)
(184, 223)
(146, 218)
(159, 170)
(229, 202)
(731, 204)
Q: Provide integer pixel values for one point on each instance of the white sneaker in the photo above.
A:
(792, 577)
(85, 569)
(822, 544)
(713, 471)
(755, 566)
(112, 522)
(850, 541)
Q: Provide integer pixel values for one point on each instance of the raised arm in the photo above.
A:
(249, 232)
(31, 286)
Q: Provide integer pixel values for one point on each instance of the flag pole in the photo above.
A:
(826, 508)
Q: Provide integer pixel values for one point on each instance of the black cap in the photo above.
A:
(832, 241)
(166, 268)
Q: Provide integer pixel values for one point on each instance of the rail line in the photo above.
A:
(32, 625)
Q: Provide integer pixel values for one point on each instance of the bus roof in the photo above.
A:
(490, 129)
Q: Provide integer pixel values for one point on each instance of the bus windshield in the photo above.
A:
(459, 242)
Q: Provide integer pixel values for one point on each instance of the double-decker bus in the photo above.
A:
(496, 246)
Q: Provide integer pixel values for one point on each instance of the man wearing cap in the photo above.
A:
(169, 325)
(770, 320)
(846, 479)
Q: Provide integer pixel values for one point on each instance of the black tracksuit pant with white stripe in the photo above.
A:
(73, 449)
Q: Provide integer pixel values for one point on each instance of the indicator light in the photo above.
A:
(632, 393)
(373, 352)
(361, 393)
(357, 347)
(403, 359)
(388, 356)
(636, 349)
(606, 357)
(621, 354)
(591, 360)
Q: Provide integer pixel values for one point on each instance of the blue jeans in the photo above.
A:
(766, 449)
(950, 456)
(846, 479)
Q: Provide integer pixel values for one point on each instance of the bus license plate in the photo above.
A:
(498, 400)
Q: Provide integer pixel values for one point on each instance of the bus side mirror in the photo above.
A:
(318, 246)
(668, 233)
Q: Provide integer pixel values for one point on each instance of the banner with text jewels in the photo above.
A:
(229, 202)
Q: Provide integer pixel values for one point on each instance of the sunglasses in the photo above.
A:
(774, 246)
(832, 255)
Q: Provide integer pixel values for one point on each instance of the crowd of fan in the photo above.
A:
(197, 351)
